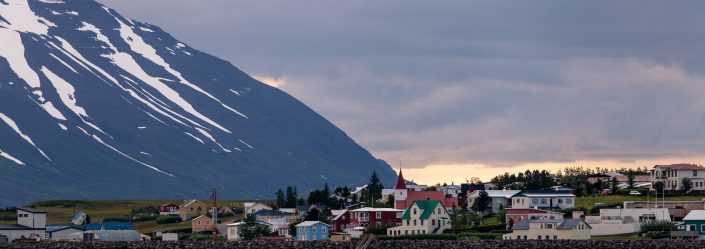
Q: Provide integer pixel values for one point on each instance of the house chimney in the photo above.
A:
(577, 214)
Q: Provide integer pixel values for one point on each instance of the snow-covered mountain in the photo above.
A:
(97, 106)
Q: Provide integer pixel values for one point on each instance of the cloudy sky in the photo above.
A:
(454, 89)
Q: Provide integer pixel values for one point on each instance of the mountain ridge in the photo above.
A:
(107, 107)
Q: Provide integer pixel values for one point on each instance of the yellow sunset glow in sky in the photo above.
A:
(457, 173)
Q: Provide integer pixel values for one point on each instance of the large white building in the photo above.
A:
(31, 224)
(612, 221)
(543, 199)
(563, 229)
(422, 217)
(672, 176)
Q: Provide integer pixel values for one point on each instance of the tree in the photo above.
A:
(292, 229)
(390, 201)
(281, 199)
(291, 197)
(659, 186)
(686, 184)
(614, 185)
(482, 202)
(630, 178)
(374, 188)
(250, 229)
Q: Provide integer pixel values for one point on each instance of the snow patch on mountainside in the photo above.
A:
(23, 19)
(17, 130)
(129, 157)
(11, 158)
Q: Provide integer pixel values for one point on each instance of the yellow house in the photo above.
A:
(192, 209)
(202, 223)
(568, 229)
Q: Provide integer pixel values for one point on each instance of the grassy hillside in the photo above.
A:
(589, 202)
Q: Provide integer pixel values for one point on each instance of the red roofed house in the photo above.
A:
(403, 196)
(672, 176)
(375, 217)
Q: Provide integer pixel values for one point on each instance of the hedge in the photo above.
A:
(481, 229)
(144, 218)
(116, 219)
(482, 236)
(421, 237)
(167, 219)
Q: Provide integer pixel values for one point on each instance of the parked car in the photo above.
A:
(634, 193)
(606, 191)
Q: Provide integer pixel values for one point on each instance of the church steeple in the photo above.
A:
(400, 181)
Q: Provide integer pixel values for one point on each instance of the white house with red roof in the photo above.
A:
(672, 176)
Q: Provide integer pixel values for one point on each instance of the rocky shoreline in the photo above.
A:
(396, 244)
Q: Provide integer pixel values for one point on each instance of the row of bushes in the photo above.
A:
(480, 236)
(443, 236)
(8, 216)
(167, 219)
(480, 229)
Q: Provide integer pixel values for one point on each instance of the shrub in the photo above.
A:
(140, 218)
(167, 219)
(656, 226)
(482, 236)
(421, 237)
(596, 210)
(116, 219)
(7, 216)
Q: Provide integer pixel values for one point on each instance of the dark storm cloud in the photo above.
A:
(493, 82)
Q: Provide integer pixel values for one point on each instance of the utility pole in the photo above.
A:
(214, 199)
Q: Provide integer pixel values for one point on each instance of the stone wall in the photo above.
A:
(388, 244)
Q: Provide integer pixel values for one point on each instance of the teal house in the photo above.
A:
(692, 227)
(312, 230)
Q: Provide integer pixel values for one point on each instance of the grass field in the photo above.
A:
(589, 202)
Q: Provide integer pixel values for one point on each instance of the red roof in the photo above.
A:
(400, 181)
(682, 166)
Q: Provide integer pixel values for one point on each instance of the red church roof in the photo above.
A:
(400, 181)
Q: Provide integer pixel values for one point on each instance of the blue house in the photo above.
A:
(312, 230)
(693, 226)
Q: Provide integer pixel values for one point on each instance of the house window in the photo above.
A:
(525, 237)
(560, 200)
(433, 222)
(343, 217)
(568, 201)
(539, 238)
(534, 201)
(323, 229)
(407, 222)
(518, 237)
(543, 200)
(199, 222)
(549, 226)
(555, 237)
(414, 210)
(695, 173)
(439, 211)
(313, 229)
(422, 222)
(414, 222)
(702, 228)
(378, 215)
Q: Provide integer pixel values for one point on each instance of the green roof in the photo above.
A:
(426, 206)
